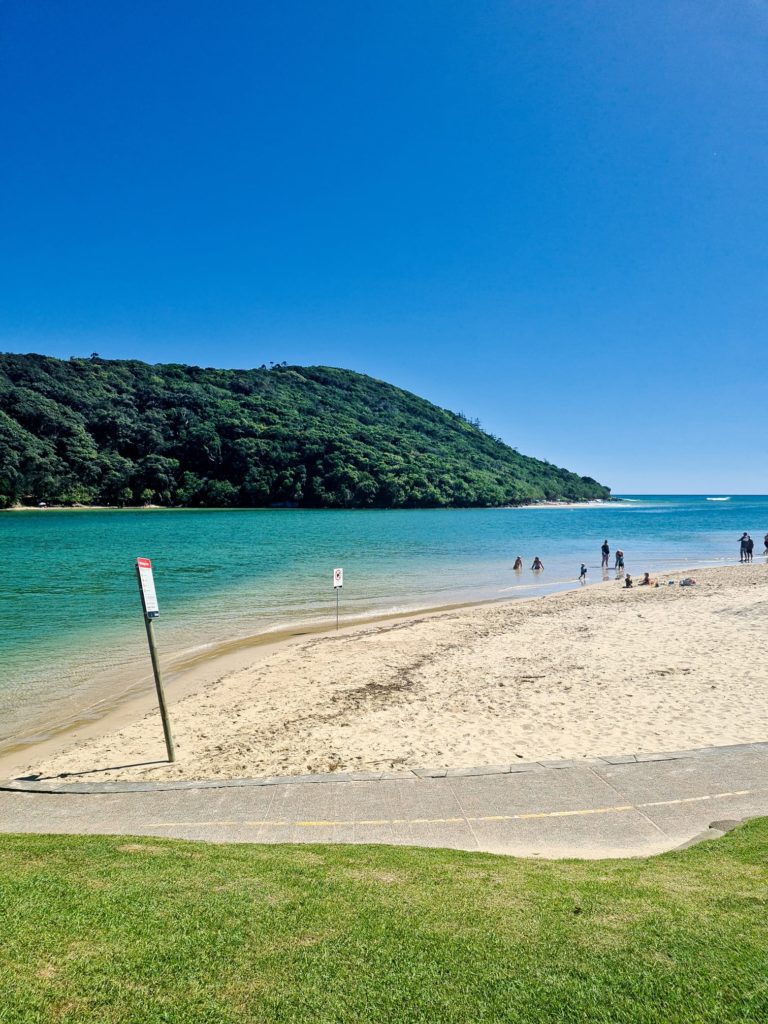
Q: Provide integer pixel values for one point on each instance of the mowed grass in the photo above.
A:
(96, 929)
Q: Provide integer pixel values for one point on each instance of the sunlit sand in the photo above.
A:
(598, 671)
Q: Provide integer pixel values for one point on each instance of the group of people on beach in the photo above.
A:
(745, 542)
(747, 547)
(605, 552)
(605, 556)
(605, 559)
(618, 565)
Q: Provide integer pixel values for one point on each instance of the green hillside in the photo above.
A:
(127, 433)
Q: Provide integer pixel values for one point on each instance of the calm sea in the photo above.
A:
(69, 607)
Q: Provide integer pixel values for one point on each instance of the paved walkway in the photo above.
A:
(608, 807)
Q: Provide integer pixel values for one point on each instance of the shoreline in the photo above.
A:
(187, 673)
(188, 669)
(85, 508)
(590, 503)
(205, 677)
(123, 692)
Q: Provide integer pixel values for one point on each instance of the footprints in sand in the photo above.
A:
(598, 673)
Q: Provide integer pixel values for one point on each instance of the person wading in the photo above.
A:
(750, 548)
(605, 551)
(743, 546)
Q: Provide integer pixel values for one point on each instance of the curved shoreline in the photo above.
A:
(132, 690)
(186, 673)
(209, 676)
(129, 692)
(589, 503)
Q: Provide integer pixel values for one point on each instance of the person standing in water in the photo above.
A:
(518, 566)
(619, 559)
(743, 546)
(765, 541)
(605, 551)
(583, 573)
(750, 548)
(537, 564)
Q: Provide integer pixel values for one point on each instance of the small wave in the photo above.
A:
(719, 499)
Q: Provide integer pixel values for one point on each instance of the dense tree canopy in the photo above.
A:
(97, 431)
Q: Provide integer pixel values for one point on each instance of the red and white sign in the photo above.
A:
(147, 586)
(338, 578)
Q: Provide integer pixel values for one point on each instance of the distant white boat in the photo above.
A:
(720, 499)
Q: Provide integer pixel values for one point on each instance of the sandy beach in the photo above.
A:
(597, 671)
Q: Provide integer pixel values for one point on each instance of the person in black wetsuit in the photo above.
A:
(605, 551)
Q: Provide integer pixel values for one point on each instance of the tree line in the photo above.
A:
(123, 432)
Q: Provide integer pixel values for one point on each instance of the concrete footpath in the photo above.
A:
(628, 805)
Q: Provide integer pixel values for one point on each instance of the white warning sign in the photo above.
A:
(147, 587)
(338, 578)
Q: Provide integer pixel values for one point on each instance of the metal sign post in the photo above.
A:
(338, 583)
(151, 611)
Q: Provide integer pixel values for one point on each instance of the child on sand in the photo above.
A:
(646, 581)
(628, 582)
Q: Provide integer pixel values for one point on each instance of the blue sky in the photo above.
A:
(551, 216)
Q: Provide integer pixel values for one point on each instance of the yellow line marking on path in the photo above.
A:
(570, 814)
(696, 799)
(525, 816)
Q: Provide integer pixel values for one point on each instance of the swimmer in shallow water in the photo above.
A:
(537, 564)
(518, 566)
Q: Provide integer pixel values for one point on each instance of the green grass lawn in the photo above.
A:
(138, 930)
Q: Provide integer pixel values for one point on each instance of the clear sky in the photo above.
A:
(549, 215)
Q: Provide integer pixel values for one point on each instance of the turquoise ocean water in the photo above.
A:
(70, 622)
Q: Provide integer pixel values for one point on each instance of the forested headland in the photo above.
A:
(109, 432)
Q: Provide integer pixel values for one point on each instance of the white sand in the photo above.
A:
(599, 671)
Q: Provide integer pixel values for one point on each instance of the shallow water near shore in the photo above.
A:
(71, 632)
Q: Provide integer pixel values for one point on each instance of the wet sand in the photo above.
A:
(597, 671)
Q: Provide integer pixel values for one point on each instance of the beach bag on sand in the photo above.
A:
(688, 582)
